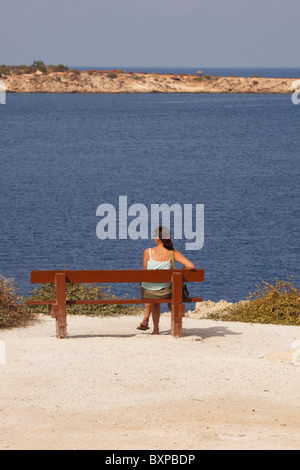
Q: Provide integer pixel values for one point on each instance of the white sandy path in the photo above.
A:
(223, 385)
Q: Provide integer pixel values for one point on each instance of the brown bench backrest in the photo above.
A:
(112, 276)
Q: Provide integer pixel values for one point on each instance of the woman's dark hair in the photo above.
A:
(164, 235)
(168, 244)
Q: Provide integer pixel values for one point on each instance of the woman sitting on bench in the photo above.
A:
(159, 257)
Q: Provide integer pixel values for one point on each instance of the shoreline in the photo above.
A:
(114, 82)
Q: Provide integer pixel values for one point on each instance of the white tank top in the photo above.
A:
(152, 264)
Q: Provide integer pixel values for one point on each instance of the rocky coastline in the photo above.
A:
(116, 81)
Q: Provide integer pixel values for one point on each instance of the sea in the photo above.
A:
(235, 156)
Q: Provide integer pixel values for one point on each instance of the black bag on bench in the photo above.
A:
(185, 292)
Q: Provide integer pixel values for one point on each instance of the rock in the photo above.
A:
(100, 82)
(203, 309)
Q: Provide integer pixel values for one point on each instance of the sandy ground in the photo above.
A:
(109, 386)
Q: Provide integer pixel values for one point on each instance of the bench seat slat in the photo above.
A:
(112, 301)
(129, 301)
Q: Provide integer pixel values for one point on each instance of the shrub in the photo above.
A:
(4, 70)
(28, 69)
(278, 304)
(13, 311)
(39, 65)
(58, 68)
(112, 75)
(82, 292)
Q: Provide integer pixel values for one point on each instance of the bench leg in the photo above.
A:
(176, 320)
(177, 311)
(52, 311)
(60, 308)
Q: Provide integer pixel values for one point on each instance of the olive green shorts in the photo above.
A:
(165, 293)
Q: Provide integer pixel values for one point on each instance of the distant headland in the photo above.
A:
(40, 78)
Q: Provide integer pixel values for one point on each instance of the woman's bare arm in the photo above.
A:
(146, 258)
(183, 260)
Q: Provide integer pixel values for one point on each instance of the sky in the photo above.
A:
(158, 33)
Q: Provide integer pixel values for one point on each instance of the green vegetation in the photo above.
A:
(13, 311)
(200, 78)
(37, 65)
(278, 304)
(211, 77)
(59, 68)
(112, 75)
(82, 292)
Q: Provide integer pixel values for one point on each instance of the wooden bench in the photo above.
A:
(57, 307)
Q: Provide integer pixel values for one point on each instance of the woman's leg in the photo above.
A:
(146, 316)
(155, 317)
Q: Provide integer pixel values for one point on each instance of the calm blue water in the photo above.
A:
(63, 155)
